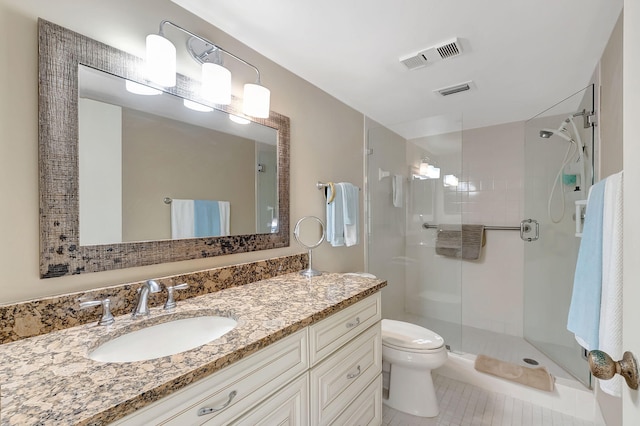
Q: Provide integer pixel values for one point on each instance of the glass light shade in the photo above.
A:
(141, 89)
(450, 180)
(424, 168)
(161, 61)
(216, 83)
(239, 120)
(196, 106)
(256, 100)
(433, 172)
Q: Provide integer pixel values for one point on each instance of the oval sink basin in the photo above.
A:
(163, 339)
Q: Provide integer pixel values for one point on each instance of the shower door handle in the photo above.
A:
(527, 226)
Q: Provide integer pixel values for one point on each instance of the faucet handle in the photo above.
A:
(107, 317)
(171, 303)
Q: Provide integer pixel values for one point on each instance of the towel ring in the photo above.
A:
(332, 197)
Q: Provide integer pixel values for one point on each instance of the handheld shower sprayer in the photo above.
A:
(577, 168)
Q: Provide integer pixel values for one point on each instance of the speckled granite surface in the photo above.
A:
(48, 379)
(41, 316)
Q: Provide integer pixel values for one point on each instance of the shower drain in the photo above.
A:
(530, 361)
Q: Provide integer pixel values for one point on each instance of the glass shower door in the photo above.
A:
(405, 205)
(557, 175)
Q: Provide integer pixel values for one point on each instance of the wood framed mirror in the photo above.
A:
(62, 250)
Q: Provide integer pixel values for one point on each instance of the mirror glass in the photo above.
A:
(102, 203)
(153, 166)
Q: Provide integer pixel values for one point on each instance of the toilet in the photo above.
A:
(412, 352)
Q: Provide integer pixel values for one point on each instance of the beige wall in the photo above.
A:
(611, 104)
(177, 160)
(326, 137)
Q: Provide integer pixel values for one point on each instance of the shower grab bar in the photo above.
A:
(488, 227)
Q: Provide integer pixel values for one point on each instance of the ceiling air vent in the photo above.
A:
(449, 49)
(445, 50)
(462, 87)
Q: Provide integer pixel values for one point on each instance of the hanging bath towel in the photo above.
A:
(584, 311)
(199, 218)
(610, 330)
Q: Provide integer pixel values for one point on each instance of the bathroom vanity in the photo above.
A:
(305, 350)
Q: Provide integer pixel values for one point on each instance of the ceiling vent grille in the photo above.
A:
(446, 50)
(449, 50)
(462, 87)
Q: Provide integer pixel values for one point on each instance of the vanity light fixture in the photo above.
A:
(216, 79)
(239, 120)
(428, 171)
(450, 180)
(141, 89)
(196, 106)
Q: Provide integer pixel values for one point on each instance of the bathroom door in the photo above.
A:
(554, 181)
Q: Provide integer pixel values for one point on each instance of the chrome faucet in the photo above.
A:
(150, 286)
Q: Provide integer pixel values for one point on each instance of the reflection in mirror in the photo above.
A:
(139, 146)
(138, 170)
(309, 233)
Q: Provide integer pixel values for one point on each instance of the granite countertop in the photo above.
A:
(49, 380)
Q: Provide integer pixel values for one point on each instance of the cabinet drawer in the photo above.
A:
(252, 379)
(338, 380)
(333, 332)
(290, 406)
(366, 410)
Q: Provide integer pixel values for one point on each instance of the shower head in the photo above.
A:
(547, 133)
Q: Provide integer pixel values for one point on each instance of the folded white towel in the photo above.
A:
(396, 184)
(610, 331)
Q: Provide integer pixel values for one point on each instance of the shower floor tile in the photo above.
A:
(462, 404)
(476, 341)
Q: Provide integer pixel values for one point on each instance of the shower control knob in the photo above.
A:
(604, 367)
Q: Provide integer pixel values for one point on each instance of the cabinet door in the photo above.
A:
(340, 378)
(232, 391)
(366, 410)
(288, 407)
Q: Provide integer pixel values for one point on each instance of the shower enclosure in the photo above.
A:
(554, 196)
(433, 173)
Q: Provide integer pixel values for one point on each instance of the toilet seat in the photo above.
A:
(410, 337)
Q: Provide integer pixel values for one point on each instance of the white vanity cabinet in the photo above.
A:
(232, 391)
(346, 354)
(327, 373)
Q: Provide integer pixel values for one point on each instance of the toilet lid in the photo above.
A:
(410, 336)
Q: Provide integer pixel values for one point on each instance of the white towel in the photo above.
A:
(343, 223)
(396, 184)
(610, 330)
(335, 218)
(225, 214)
(350, 205)
(182, 219)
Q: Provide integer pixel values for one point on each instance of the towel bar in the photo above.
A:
(489, 227)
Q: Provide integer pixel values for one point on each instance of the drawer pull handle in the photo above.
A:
(205, 411)
(354, 375)
(354, 323)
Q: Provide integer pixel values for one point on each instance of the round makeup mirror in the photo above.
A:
(309, 233)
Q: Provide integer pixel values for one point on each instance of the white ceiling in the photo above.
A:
(522, 56)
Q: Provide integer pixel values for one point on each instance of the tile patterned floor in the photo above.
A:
(462, 404)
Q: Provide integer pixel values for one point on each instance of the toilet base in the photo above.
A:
(411, 391)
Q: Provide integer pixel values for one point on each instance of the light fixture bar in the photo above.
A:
(198, 57)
